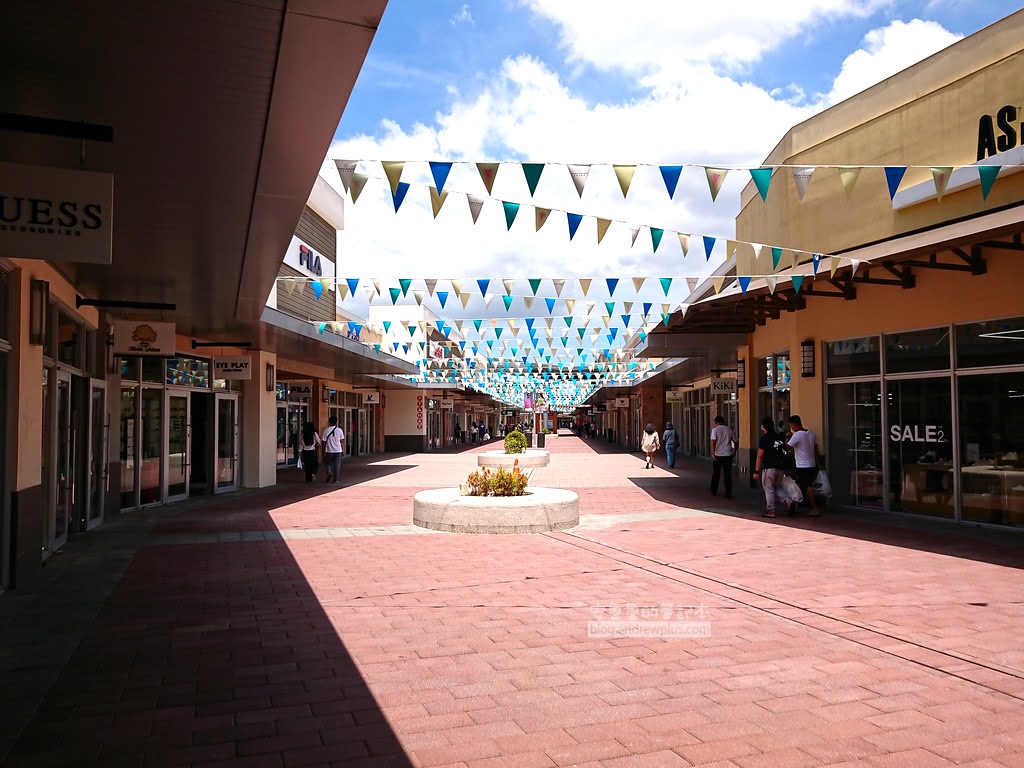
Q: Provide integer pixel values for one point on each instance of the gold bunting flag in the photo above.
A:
(541, 216)
(849, 178)
(289, 287)
(509, 285)
(437, 200)
(357, 185)
(488, 172)
(393, 170)
(418, 295)
(585, 284)
(528, 301)
(716, 178)
(602, 228)
(464, 298)
(457, 285)
(684, 243)
(569, 304)
(833, 265)
(624, 173)
(718, 281)
(638, 283)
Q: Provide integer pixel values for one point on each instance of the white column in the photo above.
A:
(259, 425)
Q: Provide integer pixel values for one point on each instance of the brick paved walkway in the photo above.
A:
(308, 626)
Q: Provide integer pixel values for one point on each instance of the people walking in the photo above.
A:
(650, 444)
(309, 446)
(334, 449)
(723, 450)
(805, 452)
(671, 439)
(771, 463)
(458, 432)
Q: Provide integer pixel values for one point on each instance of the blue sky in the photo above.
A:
(601, 81)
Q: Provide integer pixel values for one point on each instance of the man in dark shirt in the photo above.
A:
(771, 463)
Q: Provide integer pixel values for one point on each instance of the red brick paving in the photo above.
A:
(841, 641)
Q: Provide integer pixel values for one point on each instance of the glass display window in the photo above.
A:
(992, 343)
(853, 357)
(914, 351)
(920, 440)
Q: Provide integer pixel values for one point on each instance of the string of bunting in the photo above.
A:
(761, 176)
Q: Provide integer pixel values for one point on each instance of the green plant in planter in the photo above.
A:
(515, 442)
(503, 482)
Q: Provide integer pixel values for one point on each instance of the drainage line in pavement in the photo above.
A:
(697, 574)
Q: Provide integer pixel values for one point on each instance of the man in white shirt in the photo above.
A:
(723, 449)
(805, 451)
(334, 448)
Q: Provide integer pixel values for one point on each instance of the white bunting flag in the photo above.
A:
(579, 175)
(801, 178)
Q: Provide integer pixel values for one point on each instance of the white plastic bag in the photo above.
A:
(487, 436)
(789, 491)
(298, 463)
(822, 487)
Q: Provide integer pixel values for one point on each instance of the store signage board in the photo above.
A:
(371, 398)
(56, 214)
(140, 338)
(723, 386)
(235, 368)
(447, 404)
(674, 396)
(622, 402)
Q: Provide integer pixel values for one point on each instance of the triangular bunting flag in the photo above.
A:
(987, 174)
(559, 285)
(744, 284)
(574, 220)
(532, 171)
(483, 285)
(849, 178)
(684, 243)
(393, 170)
(457, 285)
(431, 285)
(802, 177)
(511, 209)
(670, 175)
(941, 178)
(718, 281)
(633, 232)
(437, 200)
(776, 257)
(353, 283)
(475, 204)
(579, 175)
(550, 304)
(893, 177)
(541, 216)
(464, 298)
(378, 287)
(399, 195)
(709, 245)
(833, 265)
(405, 286)
(585, 284)
(442, 296)
(656, 234)
(612, 283)
(289, 286)
(395, 293)
(770, 282)
(624, 173)
(854, 263)
(666, 283)
(357, 185)
(638, 283)
(509, 284)
(440, 173)
(691, 284)
(762, 179)
(418, 295)
(816, 262)
(602, 228)
(528, 302)
(798, 281)
(716, 177)
(609, 307)
(730, 248)
(569, 304)
(488, 172)
(534, 285)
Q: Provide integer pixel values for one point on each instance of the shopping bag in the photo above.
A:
(822, 487)
(298, 464)
(789, 491)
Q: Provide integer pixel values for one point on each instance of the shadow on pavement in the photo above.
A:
(218, 654)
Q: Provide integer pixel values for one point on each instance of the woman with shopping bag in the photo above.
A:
(309, 445)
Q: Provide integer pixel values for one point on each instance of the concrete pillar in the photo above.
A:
(259, 425)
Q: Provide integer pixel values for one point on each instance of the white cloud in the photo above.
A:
(690, 112)
(886, 51)
(462, 16)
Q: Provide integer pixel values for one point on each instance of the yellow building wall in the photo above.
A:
(927, 115)
(940, 298)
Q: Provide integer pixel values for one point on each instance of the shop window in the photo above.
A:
(855, 443)
(997, 342)
(281, 392)
(773, 389)
(992, 448)
(921, 446)
(69, 341)
(853, 357)
(915, 351)
(189, 372)
(129, 369)
(153, 370)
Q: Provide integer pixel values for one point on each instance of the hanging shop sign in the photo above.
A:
(56, 214)
(674, 396)
(447, 404)
(622, 402)
(135, 338)
(236, 368)
(371, 398)
(723, 386)
(602, 407)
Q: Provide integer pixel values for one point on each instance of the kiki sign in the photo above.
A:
(1000, 133)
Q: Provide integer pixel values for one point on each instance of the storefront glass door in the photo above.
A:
(226, 430)
(855, 443)
(97, 479)
(151, 437)
(178, 445)
(921, 446)
(63, 466)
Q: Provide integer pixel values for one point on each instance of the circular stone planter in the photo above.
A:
(539, 510)
(532, 458)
